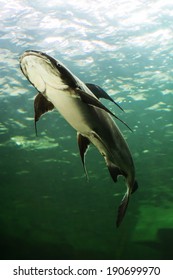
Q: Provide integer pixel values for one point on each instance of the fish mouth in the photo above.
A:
(33, 53)
(41, 70)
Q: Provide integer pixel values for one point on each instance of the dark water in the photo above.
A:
(47, 208)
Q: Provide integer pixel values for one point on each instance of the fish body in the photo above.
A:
(78, 103)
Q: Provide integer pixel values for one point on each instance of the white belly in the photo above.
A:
(71, 108)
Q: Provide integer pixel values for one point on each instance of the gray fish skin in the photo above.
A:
(59, 88)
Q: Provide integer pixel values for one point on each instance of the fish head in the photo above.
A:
(42, 71)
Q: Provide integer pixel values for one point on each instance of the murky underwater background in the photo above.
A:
(47, 208)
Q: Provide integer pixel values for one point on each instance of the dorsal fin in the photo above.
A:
(41, 106)
(91, 100)
(83, 144)
(100, 93)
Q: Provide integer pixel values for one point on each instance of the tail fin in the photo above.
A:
(124, 203)
(122, 208)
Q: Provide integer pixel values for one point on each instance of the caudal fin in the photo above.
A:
(122, 208)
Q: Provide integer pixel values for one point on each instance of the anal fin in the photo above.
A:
(83, 143)
(114, 171)
(135, 187)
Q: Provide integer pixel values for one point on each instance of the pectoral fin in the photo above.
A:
(100, 93)
(83, 144)
(41, 106)
(90, 100)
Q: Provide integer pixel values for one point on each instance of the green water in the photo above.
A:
(48, 210)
